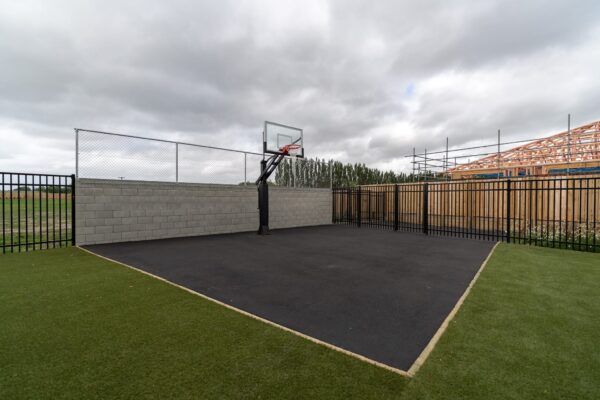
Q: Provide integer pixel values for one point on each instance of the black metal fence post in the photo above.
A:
(348, 205)
(396, 207)
(425, 208)
(508, 211)
(333, 199)
(358, 206)
(73, 213)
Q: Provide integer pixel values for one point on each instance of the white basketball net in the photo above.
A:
(293, 151)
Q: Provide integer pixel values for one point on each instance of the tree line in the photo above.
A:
(43, 189)
(315, 172)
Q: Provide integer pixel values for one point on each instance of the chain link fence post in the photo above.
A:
(76, 153)
(176, 162)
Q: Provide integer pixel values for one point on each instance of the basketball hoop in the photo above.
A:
(291, 150)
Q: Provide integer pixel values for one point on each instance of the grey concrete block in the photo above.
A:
(120, 213)
(112, 221)
(131, 236)
(103, 229)
(104, 214)
(120, 228)
(113, 237)
(138, 212)
(93, 238)
(85, 199)
(129, 191)
(93, 221)
(145, 220)
(85, 230)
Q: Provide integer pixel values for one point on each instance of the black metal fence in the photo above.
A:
(552, 212)
(37, 210)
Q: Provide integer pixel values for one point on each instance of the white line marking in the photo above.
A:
(302, 335)
(434, 340)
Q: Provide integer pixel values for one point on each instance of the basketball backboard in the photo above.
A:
(276, 136)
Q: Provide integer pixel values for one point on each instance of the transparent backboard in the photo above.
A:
(275, 136)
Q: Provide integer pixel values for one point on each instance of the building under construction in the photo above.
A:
(574, 151)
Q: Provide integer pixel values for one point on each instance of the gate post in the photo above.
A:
(396, 207)
(358, 206)
(425, 208)
(508, 211)
(333, 198)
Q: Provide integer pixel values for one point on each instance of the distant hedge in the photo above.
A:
(314, 172)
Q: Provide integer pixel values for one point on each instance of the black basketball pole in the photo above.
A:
(263, 201)
(267, 167)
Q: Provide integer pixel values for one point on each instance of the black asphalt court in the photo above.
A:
(380, 294)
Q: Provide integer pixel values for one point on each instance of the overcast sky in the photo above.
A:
(367, 80)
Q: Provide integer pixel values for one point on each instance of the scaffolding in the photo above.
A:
(574, 151)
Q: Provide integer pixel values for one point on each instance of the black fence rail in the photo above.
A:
(552, 212)
(37, 211)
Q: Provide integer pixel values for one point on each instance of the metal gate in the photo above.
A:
(37, 210)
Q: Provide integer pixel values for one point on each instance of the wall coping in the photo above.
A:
(189, 184)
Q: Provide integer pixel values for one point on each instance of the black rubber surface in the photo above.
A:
(377, 293)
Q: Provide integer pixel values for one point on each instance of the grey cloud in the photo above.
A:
(212, 72)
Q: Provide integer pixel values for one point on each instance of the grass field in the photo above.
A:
(528, 330)
(76, 326)
(39, 220)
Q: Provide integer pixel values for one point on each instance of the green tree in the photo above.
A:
(318, 173)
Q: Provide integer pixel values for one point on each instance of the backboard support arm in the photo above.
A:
(267, 167)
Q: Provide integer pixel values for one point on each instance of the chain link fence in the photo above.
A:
(106, 155)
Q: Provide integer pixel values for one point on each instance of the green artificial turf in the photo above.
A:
(76, 326)
(530, 329)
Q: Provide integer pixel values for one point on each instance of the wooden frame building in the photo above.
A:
(576, 151)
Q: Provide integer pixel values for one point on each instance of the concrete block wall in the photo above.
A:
(298, 207)
(118, 211)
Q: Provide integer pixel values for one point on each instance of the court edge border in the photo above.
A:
(414, 368)
(256, 317)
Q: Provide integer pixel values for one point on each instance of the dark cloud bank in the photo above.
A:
(368, 82)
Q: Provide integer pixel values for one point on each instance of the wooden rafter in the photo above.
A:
(581, 145)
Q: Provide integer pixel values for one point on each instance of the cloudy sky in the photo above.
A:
(367, 80)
